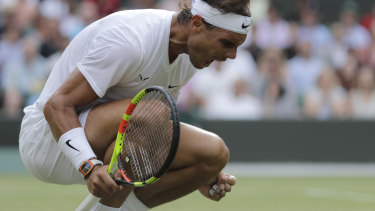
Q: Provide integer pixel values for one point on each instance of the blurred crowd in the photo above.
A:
(286, 69)
(293, 69)
(34, 33)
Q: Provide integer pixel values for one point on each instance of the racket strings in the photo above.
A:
(160, 132)
(149, 132)
(163, 134)
(156, 150)
(140, 156)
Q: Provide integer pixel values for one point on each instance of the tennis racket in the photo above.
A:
(146, 141)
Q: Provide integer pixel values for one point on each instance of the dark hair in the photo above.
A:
(240, 7)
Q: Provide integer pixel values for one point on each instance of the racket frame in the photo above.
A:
(90, 200)
(116, 158)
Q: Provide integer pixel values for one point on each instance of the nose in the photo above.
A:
(231, 54)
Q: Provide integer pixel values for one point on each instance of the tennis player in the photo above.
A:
(69, 132)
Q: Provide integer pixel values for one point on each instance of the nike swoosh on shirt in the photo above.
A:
(67, 143)
(143, 78)
(171, 87)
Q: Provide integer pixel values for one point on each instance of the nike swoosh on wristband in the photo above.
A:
(67, 143)
(245, 26)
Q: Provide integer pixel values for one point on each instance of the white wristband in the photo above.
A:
(75, 146)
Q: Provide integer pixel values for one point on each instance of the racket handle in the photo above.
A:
(87, 203)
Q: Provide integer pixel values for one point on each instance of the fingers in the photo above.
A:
(226, 178)
(216, 192)
(100, 184)
(227, 188)
(109, 183)
(231, 180)
(222, 186)
(217, 196)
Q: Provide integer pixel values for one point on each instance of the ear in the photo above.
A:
(196, 23)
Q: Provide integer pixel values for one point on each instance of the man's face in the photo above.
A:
(209, 45)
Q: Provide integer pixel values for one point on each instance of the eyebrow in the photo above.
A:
(227, 43)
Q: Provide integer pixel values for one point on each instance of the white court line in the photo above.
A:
(301, 169)
(340, 195)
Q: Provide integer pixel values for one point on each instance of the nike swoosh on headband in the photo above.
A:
(245, 26)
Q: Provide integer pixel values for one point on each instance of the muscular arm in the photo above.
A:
(60, 109)
(60, 112)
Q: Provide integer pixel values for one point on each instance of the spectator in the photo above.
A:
(25, 14)
(89, 12)
(52, 12)
(314, 32)
(73, 22)
(23, 79)
(347, 75)
(106, 7)
(327, 99)
(217, 78)
(204, 84)
(273, 31)
(237, 103)
(210, 80)
(303, 70)
(270, 86)
(367, 57)
(10, 45)
(369, 18)
(51, 60)
(271, 65)
(362, 98)
(336, 53)
(7, 10)
(355, 37)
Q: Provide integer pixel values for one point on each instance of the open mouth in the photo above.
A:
(208, 62)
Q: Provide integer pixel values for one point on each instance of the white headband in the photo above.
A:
(229, 21)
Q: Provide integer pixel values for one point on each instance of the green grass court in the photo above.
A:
(24, 192)
(21, 191)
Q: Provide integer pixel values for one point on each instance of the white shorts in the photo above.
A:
(42, 157)
(40, 153)
(132, 203)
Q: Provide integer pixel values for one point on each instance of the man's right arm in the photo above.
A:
(60, 109)
(60, 113)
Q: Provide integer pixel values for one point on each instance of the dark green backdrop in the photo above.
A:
(274, 141)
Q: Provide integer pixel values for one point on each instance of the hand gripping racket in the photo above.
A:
(146, 142)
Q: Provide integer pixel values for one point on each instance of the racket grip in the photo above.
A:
(120, 181)
(87, 203)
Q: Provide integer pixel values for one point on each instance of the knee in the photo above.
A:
(216, 153)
